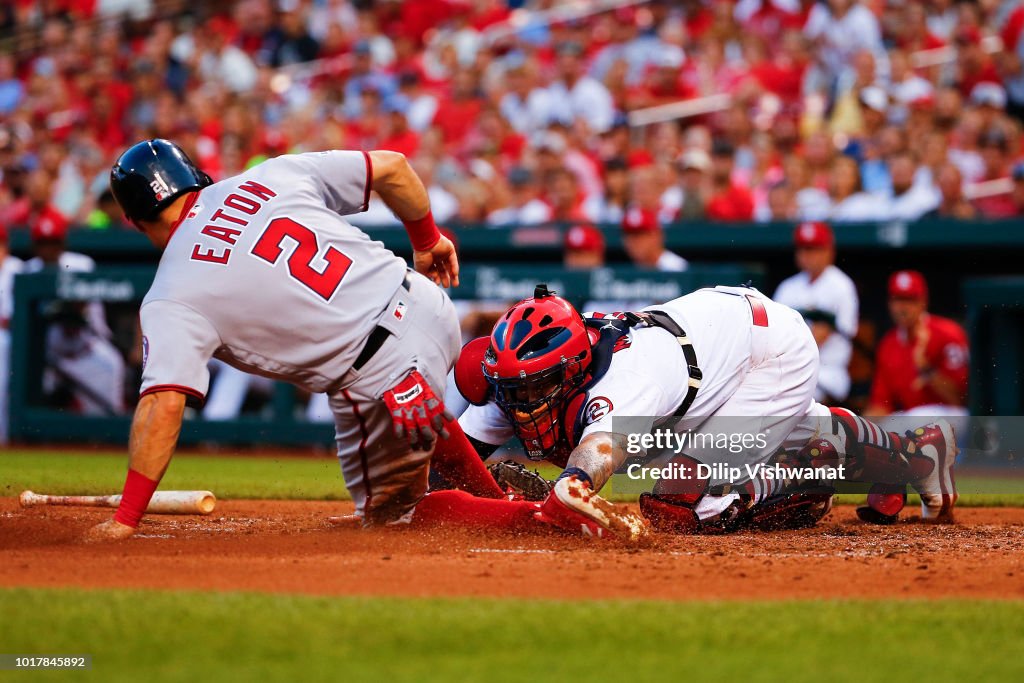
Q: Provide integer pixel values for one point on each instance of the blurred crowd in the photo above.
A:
(832, 110)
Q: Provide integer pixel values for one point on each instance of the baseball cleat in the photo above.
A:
(937, 487)
(573, 505)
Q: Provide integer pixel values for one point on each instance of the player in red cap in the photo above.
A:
(921, 364)
(644, 241)
(82, 356)
(583, 247)
(49, 231)
(827, 299)
(9, 267)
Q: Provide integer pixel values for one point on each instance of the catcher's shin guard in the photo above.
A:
(870, 453)
(923, 458)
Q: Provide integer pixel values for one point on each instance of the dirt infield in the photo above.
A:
(287, 546)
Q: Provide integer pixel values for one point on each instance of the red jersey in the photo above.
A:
(734, 204)
(899, 384)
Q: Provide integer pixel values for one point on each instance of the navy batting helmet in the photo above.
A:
(150, 175)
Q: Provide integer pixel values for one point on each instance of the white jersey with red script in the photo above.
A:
(757, 358)
(263, 273)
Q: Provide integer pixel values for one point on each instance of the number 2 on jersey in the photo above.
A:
(268, 247)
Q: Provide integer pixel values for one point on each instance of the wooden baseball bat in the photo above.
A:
(163, 502)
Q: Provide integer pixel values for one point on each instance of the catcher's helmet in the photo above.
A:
(539, 354)
(150, 175)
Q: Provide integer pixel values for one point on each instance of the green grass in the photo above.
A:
(227, 476)
(171, 636)
(303, 478)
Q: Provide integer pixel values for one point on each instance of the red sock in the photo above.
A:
(461, 508)
(457, 461)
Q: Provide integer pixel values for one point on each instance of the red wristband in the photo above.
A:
(138, 489)
(423, 232)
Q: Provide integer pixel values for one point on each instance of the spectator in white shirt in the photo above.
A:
(841, 28)
(905, 86)
(443, 204)
(637, 50)
(221, 61)
(780, 205)
(849, 202)
(689, 197)
(422, 104)
(990, 100)
(525, 208)
(812, 203)
(575, 95)
(827, 299)
(913, 195)
(525, 106)
(609, 205)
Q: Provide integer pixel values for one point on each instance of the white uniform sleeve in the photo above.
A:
(848, 310)
(343, 177)
(623, 395)
(486, 423)
(177, 343)
(783, 293)
(10, 267)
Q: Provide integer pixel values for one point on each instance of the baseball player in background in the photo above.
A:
(921, 364)
(715, 360)
(9, 267)
(79, 352)
(827, 299)
(261, 272)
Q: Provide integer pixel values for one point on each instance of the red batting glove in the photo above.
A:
(417, 414)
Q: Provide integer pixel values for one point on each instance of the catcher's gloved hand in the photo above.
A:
(519, 481)
(417, 413)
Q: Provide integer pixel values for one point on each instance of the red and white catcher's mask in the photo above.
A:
(539, 353)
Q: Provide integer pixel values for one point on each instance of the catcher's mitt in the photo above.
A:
(513, 477)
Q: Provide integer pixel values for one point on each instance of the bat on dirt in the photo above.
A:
(165, 502)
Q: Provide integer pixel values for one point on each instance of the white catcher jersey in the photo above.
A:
(648, 376)
(263, 273)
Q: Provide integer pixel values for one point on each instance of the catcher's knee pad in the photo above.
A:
(828, 450)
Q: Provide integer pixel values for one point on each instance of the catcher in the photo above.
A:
(556, 379)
